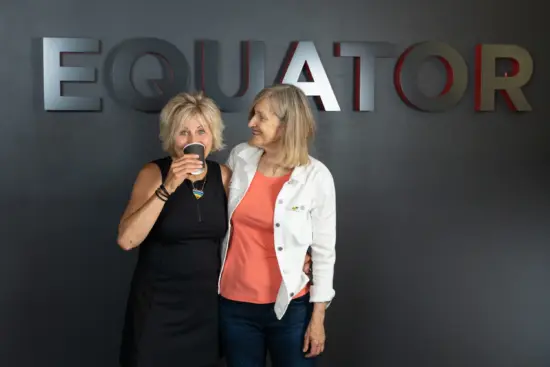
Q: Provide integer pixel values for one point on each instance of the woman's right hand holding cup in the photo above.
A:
(180, 169)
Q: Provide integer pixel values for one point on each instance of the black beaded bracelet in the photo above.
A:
(161, 195)
(163, 189)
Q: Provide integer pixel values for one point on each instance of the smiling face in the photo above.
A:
(266, 127)
(282, 123)
(193, 130)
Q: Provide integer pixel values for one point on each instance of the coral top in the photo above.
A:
(251, 272)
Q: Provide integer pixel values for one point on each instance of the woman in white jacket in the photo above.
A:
(281, 205)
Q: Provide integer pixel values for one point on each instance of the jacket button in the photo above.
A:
(280, 248)
(291, 294)
(280, 201)
(277, 225)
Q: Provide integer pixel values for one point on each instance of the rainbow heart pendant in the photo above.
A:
(198, 193)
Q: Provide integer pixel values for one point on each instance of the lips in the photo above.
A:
(254, 132)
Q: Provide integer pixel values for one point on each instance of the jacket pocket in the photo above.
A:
(298, 221)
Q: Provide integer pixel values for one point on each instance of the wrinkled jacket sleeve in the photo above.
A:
(323, 248)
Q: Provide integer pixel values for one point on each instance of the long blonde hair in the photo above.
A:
(291, 106)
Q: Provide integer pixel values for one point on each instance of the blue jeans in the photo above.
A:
(250, 330)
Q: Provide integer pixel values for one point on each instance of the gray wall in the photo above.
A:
(443, 219)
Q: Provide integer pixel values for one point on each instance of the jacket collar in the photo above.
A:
(251, 156)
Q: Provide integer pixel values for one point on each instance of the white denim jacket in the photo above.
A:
(305, 216)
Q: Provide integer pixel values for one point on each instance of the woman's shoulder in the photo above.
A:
(155, 169)
(243, 148)
(156, 164)
(161, 162)
(318, 167)
(241, 153)
(150, 174)
(317, 173)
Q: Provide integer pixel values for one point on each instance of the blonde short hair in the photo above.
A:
(290, 104)
(185, 106)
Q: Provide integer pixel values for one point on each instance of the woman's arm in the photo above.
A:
(323, 256)
(226, 177)
(145, 206)
(323, 247)
(142, 210)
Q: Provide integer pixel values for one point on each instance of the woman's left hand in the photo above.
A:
(307, 264)
(314, 340)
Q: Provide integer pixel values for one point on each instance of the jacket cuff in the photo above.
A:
(318, 295)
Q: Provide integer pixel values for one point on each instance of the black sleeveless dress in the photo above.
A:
(172, 312)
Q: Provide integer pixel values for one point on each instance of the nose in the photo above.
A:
(252, 123)
(193, 138)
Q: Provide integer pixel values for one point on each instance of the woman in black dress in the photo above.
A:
(178, 221)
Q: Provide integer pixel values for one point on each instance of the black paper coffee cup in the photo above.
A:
(196, 148)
